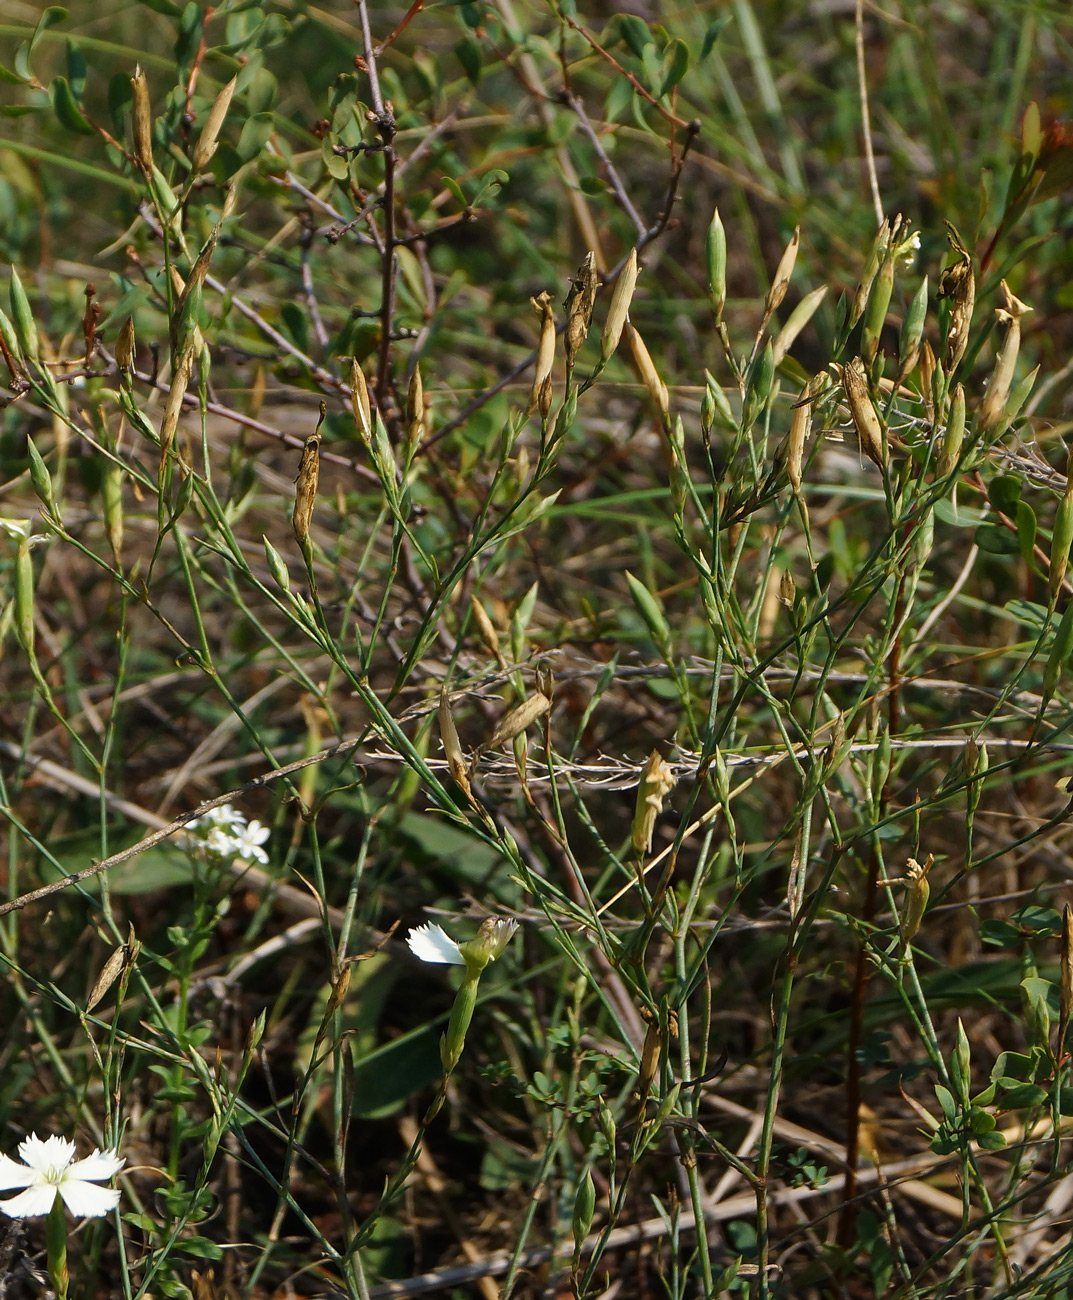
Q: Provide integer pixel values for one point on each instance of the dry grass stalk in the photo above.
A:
(305, 493)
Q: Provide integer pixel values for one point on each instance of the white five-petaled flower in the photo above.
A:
(225, 834)
(248, 840)
(50, 1167)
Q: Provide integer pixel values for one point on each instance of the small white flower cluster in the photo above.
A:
(225, 834)
(49, 1167)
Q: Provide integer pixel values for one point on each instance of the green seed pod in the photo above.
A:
(112, 497)
(1056, 660)
(24, 597)
(584, 1208)
(976, 764)
(277, 567)
(953, 434)
(41, 478)
(1061, 539)
(961, 1064)
(758, 388)
(648, 607)
(608, 1127)
(25, 329)
(912, 331)
(715, 403)
(716, 250)
(878, 304)
(864, 287)
(453, 1041)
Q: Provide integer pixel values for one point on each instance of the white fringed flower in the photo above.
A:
(50, 1167)
(430, 943)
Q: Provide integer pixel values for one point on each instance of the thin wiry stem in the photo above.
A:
(866, 117)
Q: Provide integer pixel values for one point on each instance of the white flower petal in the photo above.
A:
(14, 1175)
(30, 1203)
(85, 1200)
(97, 1166)
(429, 943)
(46, 1154)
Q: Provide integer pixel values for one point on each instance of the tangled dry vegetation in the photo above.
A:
(404, 456)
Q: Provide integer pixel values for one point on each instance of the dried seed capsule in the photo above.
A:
(993, 407)
(142, 122)
(306, 482)
(916, 898)
(780, 281)
(870, 431)
(800, 423)
(452, 749)
(206, 143)
(618, 311)
(517, 720)
(958, 283)
(359, 402)
(124, 348)
(657, 389)
(579, 304)
(540, 395)
(657, 781)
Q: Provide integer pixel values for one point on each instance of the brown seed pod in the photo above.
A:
(870, 432)
(142, 121)
(579, 304)
(305, 494)
(958, 283)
